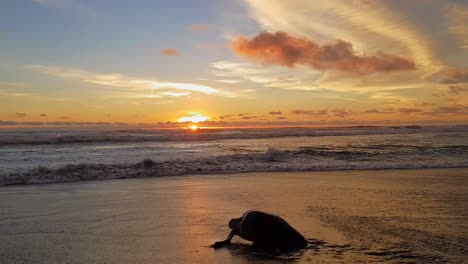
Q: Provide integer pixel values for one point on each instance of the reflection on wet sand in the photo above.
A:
(395, 216)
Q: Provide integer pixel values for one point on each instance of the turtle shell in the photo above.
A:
(269, 231)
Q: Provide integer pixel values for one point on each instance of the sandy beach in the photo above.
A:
(394, 216)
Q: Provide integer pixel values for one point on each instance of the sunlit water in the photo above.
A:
(231, 151)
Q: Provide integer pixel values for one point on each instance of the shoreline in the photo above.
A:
(360, 216)
(231, 173)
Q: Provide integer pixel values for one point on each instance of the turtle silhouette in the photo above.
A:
(266, 231)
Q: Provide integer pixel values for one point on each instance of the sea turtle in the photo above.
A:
(265, 231)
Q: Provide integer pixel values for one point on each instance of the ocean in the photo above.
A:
(48, 155)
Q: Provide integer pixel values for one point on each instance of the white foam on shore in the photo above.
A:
(272, 159)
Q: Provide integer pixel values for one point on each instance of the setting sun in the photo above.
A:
(349, 118)
(193, 117)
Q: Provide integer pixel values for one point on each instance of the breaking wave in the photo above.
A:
(272, 160)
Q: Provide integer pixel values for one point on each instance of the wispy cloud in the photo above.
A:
(163, 102)
(379, 111)
(274, 76)
(409, 110)
(322, 113)
(228, 81)
(32, 96)
(457, 89)
(11, 84)
(367, 24)
(249, 117)
(341, 112)
(310, 112)
(226, 116)
(176, 94)
(457, 16)
(456, 75)
(332, 84)
(74, 6)
(450, 110)
(132, 87)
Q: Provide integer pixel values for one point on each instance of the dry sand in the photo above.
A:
(396, 216)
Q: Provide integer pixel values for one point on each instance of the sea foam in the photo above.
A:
(272, 160)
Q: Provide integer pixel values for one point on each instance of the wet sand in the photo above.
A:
(394, 216)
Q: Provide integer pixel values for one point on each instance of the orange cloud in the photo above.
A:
(379, 111)
(226, 116)
(456, 76)
(309, 112)
(275, 113)
(282, 49)
(457, 89)
(409, 110)
(450, 110)
(170, 52)
(341, 112)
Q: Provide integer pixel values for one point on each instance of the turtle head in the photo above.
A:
(234, 222)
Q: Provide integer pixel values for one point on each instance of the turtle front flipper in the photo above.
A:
(220, 244)
(225, 242)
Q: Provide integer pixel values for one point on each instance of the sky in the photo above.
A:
(234, 62)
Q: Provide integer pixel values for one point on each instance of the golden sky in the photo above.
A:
(234, 63)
